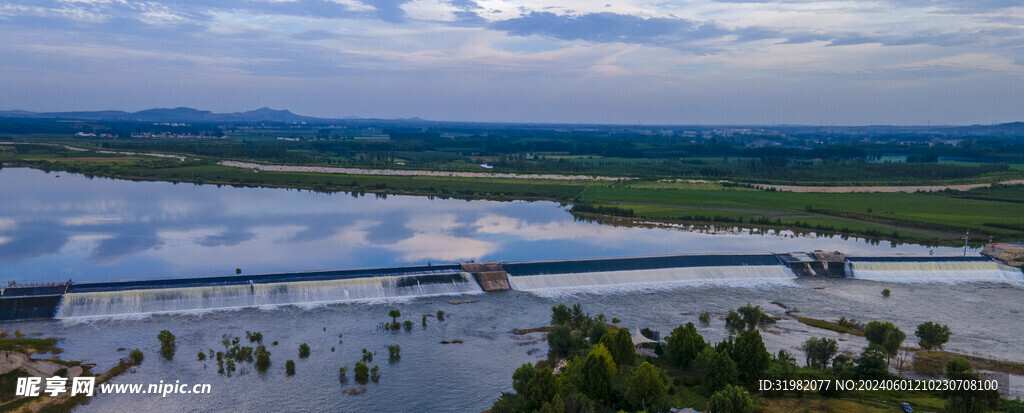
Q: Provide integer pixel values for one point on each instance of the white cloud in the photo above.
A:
(91, 220)
(355, 5)
(433, 10)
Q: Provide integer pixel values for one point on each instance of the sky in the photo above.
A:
(829, 62)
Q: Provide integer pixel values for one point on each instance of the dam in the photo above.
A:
(134, 297)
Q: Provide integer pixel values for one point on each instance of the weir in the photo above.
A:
(99, 299)
(159, 300)
(647, 271)
(932, 269)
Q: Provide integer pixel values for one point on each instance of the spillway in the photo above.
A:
(167, 300)
(647, 272)
(932, 269)
(116, 298)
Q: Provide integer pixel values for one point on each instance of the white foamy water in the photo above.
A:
(662, 277)
(172, 300)
(934, 271)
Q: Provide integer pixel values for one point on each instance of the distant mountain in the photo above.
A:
(181, 114)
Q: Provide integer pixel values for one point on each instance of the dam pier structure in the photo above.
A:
(118, 298)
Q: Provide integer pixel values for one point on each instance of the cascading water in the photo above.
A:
(145, 301)
(934, 271)
(654, 277)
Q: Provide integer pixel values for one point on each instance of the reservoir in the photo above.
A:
(54, 229)
(92, 230)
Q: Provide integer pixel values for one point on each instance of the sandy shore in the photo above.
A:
(398, 172)
(852, 189)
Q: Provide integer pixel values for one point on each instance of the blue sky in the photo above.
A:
(632, 61)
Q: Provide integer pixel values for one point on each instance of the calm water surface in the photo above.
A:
(74, 227)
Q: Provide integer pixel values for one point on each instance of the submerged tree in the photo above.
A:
(932, 335)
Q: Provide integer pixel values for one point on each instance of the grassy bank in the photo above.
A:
(828, 325)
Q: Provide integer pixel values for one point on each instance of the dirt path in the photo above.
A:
(40, 368)
(400, 172)
(856, 189)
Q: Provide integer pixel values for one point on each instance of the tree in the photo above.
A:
(597, 373)
(394, 314)
(872, 363)
(362, 372)
(734, 321)
(238, 271)
(578, 316)
(731, 399)
(540, 392)
(560, 314)
(303, 350)
(620, 345)
(885, 335)
(719, 369)
(753, 316)
(932, 335)
(683, 345)
(645, 387)
(963, 400)
(522, 376)
(752, 359)
(563, 342)
(818, 352)
(289, 367)
(596, 331)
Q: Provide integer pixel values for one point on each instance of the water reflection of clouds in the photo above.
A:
(551, 230)
(103, 229)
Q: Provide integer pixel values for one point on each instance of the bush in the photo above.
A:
(705, 318)
(262, 358)
(408, 325)
(289, 367)
(136, 356)
(167, 344)
(440, 315)
(256, 337)
(375, 374)
(303, 350)
(166, 338)
(394, 352)
(886, 293)
(202, 355)
(362, 373)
